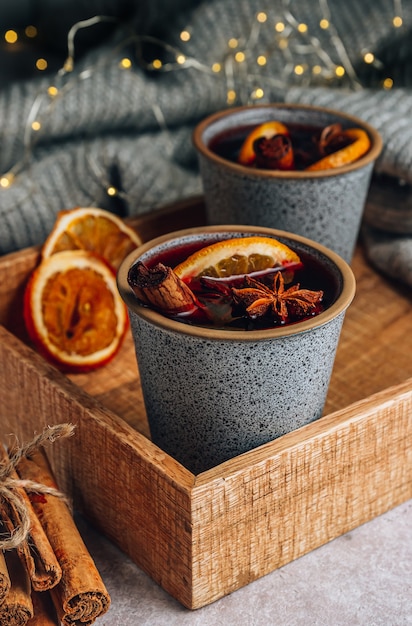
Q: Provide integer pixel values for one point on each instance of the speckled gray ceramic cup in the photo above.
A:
(326, 206)
(212, 394)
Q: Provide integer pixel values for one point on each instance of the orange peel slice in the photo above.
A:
(354, 151)
(267, 130)
(92, 229)
(236, 256)
(73, 311)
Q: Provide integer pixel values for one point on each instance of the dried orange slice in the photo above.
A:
(233, 257)
(359, 146)
(73, 312)
(267, 130)
(92, 229)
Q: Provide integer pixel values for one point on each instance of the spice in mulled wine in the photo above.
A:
(267, 298)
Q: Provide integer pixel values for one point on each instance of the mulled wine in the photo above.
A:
(309, 144)
(264, 299)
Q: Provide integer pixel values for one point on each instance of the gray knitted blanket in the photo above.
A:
(119, 137)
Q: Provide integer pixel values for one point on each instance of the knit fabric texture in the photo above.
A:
(131, 129)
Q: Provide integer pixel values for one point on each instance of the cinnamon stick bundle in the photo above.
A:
(4, 578)
(17, 608)
(80, 597)
(35, 552)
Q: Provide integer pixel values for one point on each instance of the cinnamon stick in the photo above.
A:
(17, 608)
(80, 597)
(35, 552)
(160, 287)
(4, 578)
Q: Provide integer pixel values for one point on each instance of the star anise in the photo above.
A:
(285, 304)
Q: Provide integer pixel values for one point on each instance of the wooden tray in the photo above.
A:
(202, 537)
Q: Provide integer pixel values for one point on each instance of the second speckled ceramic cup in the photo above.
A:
(326, 206)
(212, 394)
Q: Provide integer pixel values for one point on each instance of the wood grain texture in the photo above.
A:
(202, 537)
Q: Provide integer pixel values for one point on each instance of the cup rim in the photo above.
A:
(341, 303)
(370, 156)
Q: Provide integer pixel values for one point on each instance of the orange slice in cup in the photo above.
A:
(73, 312)
(359, 146)
(267, 130)
(237, 256)
(92, 229)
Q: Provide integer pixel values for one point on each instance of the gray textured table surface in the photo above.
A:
(363, 578)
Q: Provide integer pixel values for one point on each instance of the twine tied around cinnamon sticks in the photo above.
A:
(10, 483)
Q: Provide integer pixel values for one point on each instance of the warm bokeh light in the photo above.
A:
(41, 64)
(30, 31)
(185, 35)
(231, 96)
(10, 36)
(368, 57)
(258, 93)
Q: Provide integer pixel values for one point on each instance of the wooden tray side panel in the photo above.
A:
(317, 488)
(129, 489)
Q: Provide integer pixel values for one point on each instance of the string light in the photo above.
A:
(185, 35)
(11, 36)
(125, 63)
(258, 93)
(368, 57)
(30, 31)
(6, 180)
(231, 96)
(292, 39)
(41, 64)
